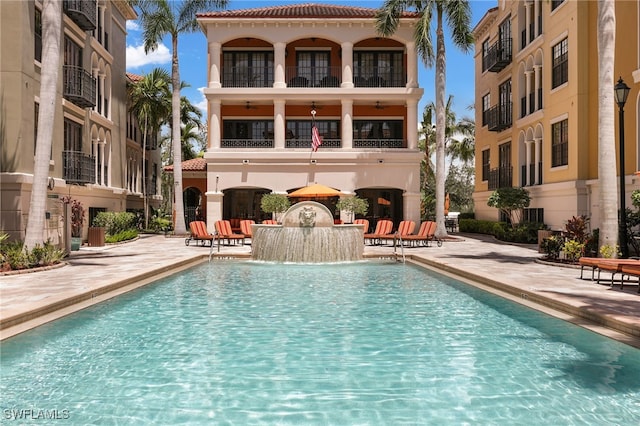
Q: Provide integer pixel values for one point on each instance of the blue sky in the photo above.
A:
(192, 49)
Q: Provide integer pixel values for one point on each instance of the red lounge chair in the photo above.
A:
(223, 229)
(245, 227)
(199, 233)
(383, 227)
(405, 229)
(269, 222)
(364, 223)
(426, 234)
(614, 266)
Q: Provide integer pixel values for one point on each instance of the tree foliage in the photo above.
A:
(510, 201)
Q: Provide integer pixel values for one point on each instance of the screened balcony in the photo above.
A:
(308, 76)
(242, 76)
(367, 76)
(82, 12)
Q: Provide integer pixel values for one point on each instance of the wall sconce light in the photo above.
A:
(380, 160)
(313, 161)
(245, 161)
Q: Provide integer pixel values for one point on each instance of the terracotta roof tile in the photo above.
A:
(134, 77)
(308, 10)
(193, 165)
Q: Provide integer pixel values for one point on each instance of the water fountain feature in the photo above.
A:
(307, 235)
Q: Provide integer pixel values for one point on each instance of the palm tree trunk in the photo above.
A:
(180, 227)
(441, 230)
(51, 33)
(606, 128)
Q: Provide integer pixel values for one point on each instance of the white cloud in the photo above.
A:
(202, 104)
(133, 26)
(137, 58)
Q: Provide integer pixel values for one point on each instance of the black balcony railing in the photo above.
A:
(531, 171)
(378, 143)
(500, 178)
(79, 86)
(82, 12)
(78, 168)
(498, 56)
(246, 143)
(499, 117)
(247, 77)
(152, 186)
(306, 143)
(313, 76)
(379, 77)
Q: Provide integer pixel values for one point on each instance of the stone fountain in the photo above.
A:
(307, 235)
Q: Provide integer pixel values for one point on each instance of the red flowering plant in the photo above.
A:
(77, 216)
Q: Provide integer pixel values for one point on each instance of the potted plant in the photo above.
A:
(77, 213)
(353, 205)
(275, 203)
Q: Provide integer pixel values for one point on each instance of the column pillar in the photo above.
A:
(412, 64)
(527, 161)
(527, 30)
(215, 50)
(101, 145)
(347, 64)
(279, 131)
(214, 124)
(347, 124)
(412, 124)
(537, 155)
(279, 62)
(528, 92)
(96, 158)
(537, 85)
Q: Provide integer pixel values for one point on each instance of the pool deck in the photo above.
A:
(91, 275)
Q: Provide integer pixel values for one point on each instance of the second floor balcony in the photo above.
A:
(82, 12)
(79, 86)
(500, 178)
(499, 117)
(78, 168)
(498, 56)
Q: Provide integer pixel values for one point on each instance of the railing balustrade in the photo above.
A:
(82, 12)
(78, 168)
(498, 56)
(78, 86)
(246, 143)
(247, 77)
(378, 143)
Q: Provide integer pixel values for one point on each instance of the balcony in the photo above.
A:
(247, 77)
(378, 143)
(498, 56)
(500, 178)
(82, 12)
(306, 143)
(78, 168)
(246, 143)
(313, 76)
(499, 117)
(379, 77)
(79, 86)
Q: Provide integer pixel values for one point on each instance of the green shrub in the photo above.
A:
(552, 246)
(573, 249)
(13, 255)
(115, 222)
(160, 224)
(126, 235)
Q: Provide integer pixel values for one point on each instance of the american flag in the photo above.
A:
(316, 139)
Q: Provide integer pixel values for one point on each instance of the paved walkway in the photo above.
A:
(95, 274)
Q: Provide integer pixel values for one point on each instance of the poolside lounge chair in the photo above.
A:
(405, 229)
(245, 227)
(269, 222)
(425, 235)
(364, 223)
(199, 233)
(224, 232)
(632, 271)
(383, 227)
(614, 266)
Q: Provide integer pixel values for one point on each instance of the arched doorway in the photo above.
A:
(192, 205)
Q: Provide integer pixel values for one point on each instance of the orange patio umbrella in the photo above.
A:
(315, 191)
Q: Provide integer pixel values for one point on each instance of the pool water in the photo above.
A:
(352, 344)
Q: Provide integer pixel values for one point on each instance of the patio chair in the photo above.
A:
(224, 232)
(245, 227)
(269, 222)
(199, 234)
(405, 229)
(425, 235)
(383, 227)
(614, 266)
(364, 223)
(631, 271)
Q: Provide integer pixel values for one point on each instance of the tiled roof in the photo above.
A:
(134, 77)
(308, 10)
(193, 165)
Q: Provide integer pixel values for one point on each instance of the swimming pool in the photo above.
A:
(363, 343)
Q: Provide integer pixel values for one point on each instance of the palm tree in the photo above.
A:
(458, 17)
(51, 35)
(608, 234)
(160, 18)
(150, 102)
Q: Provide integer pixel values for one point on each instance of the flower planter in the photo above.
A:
(76, 242)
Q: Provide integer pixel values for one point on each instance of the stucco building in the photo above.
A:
(536, 68)
(96, 154)
(269, 68)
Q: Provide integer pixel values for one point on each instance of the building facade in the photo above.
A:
(536, 68)
(96, 153)
(276, 72)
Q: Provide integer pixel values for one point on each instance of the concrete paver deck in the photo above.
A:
(95, 274)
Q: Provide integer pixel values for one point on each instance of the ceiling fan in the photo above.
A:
(379, 106)
(249, 106)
